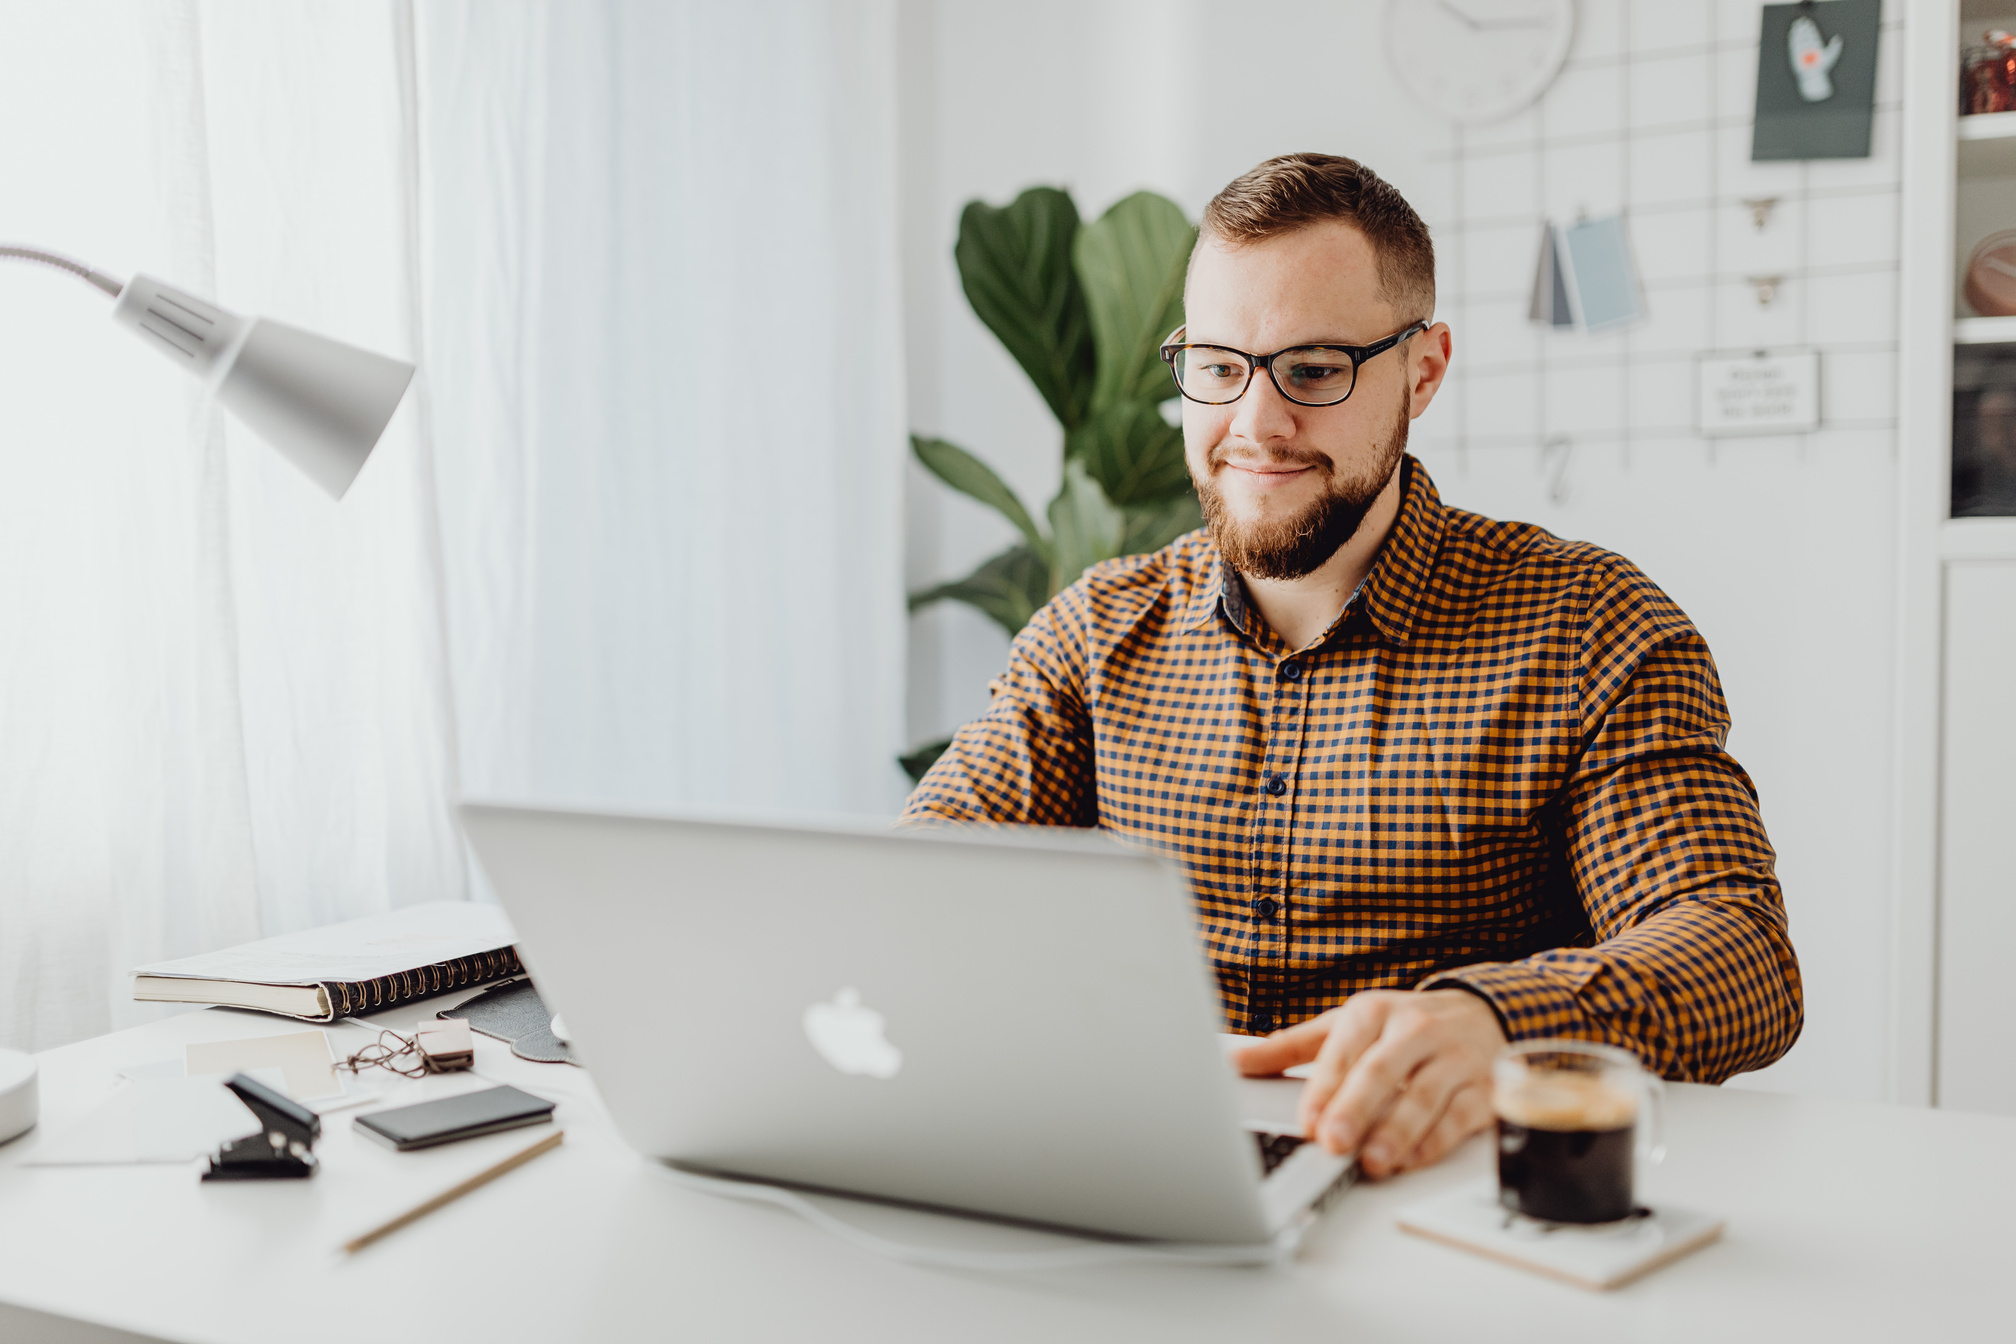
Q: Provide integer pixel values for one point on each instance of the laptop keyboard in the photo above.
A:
(1274, 1149)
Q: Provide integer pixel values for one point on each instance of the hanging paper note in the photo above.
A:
(1550, 290)
(1602, 284)
(1759, 393)
(1585, 277)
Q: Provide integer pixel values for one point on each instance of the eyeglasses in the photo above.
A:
(1308, 375)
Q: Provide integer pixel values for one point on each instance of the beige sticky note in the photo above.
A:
(302, 1057)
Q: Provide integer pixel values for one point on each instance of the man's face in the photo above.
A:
(1284, 485)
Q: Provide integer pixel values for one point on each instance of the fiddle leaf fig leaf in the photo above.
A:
(1134, 454)
(1015, 264)
(1009, 589)
(975, 479)
(1085, 528)
(1083, 308)
(1131, 263)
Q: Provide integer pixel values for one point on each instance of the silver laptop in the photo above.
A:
(1014, 1022)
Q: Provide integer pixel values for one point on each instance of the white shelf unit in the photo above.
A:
(1987, 145)
(1980, 539)
(1953, 789)
(1983, 202)
(1985, 330)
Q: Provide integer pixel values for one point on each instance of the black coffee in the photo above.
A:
(1565, 1141)
(1565, 1176)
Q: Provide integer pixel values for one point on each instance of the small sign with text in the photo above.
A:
(1759, 393)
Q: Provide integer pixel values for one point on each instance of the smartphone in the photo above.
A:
(432, 1122)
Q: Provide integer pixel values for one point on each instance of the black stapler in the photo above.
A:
(283, 1148)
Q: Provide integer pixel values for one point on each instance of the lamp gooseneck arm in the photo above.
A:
(14, 252)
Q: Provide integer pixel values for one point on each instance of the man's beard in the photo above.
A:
(1291, 548)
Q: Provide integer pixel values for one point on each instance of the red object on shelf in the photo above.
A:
(1988, 75)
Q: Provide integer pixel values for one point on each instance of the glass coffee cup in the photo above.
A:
(1575, 1119)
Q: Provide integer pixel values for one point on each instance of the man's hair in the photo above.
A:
(1297, 190)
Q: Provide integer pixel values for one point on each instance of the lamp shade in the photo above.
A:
(321, 403)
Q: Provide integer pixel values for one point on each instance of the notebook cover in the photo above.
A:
(358, 967)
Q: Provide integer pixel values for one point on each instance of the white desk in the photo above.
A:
(1846, 1222)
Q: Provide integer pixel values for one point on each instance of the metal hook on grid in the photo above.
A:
(1557, 481)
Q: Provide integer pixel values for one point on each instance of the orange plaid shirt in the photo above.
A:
(1500, 768)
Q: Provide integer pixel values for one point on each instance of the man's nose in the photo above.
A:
(1263, 415)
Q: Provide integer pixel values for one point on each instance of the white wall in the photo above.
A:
(1781, 549)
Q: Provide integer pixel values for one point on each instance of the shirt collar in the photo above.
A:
(1391, 591)
(1208, 595)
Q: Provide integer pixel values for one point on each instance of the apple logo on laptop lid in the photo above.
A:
(848, 1035)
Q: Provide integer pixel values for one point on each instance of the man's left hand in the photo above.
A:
(1400, 1078)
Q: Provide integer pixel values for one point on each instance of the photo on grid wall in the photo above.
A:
(1816, 80)
(1585, 278)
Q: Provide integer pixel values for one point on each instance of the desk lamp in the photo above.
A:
(322, 403)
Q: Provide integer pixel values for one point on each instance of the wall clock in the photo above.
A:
(1478, 60)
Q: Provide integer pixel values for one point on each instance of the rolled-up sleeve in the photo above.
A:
(1691, 967)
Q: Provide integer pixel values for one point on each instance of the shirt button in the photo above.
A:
(1276, 785)
(1291, 671)
(1265, 907)
(1261, 1022)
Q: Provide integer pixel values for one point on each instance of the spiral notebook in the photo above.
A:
(346, 970)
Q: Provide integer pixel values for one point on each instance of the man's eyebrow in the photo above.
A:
(1192, 339)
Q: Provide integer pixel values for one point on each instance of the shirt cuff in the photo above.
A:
(1529, 1002)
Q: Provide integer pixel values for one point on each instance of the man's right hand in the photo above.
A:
(1401, 1077)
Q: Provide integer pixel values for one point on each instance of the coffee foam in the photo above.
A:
(1558, 1100)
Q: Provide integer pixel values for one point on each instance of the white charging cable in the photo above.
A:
(1275, 1252)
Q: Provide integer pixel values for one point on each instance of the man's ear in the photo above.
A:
(1427, 365)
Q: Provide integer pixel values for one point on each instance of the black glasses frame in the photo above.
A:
(1357, 354)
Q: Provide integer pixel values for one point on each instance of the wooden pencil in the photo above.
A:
(449, 1196)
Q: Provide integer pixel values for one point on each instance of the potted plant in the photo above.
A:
(1084, 309)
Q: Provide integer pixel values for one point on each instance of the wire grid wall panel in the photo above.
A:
(1652, 116)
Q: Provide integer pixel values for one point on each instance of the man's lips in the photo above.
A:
(1267, 475)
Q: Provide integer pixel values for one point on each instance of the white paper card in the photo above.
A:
(303, 1056)
(154, 1120)
(1759, 393)
(357, 1090)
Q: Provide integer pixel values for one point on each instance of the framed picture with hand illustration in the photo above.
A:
(1816, 80)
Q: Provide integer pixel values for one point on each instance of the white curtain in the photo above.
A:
(664, 332)
(587, 561)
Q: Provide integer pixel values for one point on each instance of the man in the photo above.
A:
(1460, 777)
